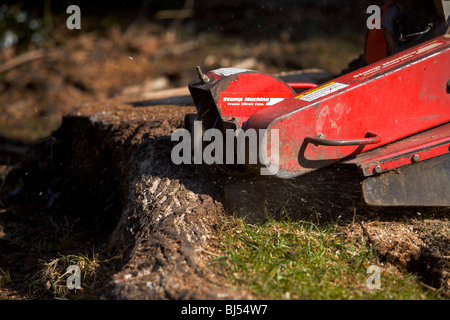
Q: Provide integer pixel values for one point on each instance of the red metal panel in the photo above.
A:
(393, 98)
(248, 93)
(423, 146)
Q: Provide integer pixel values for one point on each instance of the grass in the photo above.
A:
(54, 276)
(5, 277)
(301, 260)
(4, 170)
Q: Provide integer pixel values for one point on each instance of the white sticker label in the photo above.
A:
(273, 101)
(228, 71)
(431, 46)
(250, 99)
(321, 91)
(398, 60)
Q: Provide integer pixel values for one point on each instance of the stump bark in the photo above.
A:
(110, 159)
(168, 216)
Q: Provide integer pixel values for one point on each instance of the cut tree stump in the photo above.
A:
(114, 157)
(168, 216)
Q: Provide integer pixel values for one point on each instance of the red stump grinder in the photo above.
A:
(390, 119)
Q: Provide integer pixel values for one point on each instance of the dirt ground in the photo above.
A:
(110, 57)
(81, 182)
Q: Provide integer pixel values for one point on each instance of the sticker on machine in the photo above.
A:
(250, 99)
(229, 71)
(240, 104)
(321, 91)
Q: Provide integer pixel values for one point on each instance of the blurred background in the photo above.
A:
(132, 48)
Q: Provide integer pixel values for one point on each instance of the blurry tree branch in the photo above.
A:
(21, 59)
(26, 57)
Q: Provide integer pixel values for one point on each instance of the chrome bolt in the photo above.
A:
(415, 158)
(319, 135)
(377, 169)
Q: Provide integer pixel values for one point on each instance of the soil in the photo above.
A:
(85, 155)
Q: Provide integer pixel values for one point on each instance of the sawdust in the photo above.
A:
(421, 246)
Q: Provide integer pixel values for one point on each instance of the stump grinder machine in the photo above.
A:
(389, 119)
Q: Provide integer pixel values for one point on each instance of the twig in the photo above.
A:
(363, 228)
(429, 287)
(23, 58)
(365, 231)
(179, 49)
(176, 23)
(211, 253)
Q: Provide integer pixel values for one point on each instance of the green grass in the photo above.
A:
(4, 171)
(300, 260)
(5, 277)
